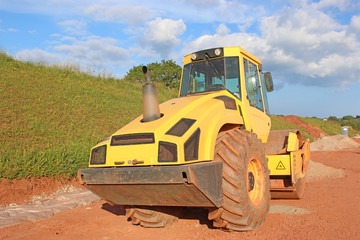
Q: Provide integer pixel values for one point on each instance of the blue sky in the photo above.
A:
(312, 48)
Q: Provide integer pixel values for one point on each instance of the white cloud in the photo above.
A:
(12, 30)
(222, 30)
(321, 46)
(120, 13)
(68, 38)
(95, 50)
(244, 14)
(340, 4)
(223, 37)
(161, 36)
(74, 27)
(55, 35)
(39, 56)
(202, 3)
(302, 33)
(299, 46)
(355, 25)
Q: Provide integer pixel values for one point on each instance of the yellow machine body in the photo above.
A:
(168, 161)
(209, 115)
(284, 164)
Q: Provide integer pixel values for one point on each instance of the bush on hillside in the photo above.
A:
(167, 71)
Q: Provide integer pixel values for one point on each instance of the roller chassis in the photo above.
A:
(192, 185)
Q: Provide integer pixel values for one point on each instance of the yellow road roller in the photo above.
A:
(211, 148)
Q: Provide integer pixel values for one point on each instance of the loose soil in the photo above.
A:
(334, 143)
(25, 190)
(318, 171)
(329, 210)
(314, 131)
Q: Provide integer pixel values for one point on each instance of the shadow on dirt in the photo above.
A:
(187, 213)
(197, 213)
(115, 209)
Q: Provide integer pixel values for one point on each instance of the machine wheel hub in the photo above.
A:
(251, 181)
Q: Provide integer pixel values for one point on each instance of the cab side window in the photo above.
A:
(252, 83)
(232, 75)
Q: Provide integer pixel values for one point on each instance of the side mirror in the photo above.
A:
(268, 82)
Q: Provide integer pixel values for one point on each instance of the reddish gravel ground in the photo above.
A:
(23, 190)
(334, 206)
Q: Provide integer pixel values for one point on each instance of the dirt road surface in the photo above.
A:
(332, 212)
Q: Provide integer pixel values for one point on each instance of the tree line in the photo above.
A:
(347, 120)
(166, 71)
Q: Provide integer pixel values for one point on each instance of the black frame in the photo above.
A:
(93, 152)
(133, 136)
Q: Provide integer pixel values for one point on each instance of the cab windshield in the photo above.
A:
(211, 75)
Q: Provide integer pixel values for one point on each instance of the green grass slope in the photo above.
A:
(51, 116)
(330, 127)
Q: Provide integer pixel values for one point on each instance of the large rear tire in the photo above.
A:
(151, 217)
(245, 181)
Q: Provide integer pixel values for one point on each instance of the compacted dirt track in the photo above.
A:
(330, 209)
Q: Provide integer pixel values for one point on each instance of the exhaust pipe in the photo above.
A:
(151, 109)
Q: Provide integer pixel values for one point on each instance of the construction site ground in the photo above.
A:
(329, 210)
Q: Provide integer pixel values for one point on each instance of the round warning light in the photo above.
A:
(194, 56)
(217, 51)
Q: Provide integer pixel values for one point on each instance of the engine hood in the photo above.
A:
(141, 143)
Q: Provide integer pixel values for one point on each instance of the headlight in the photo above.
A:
(98, 155)
(194, 56)
(217, 51)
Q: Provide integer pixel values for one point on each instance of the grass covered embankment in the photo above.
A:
(333, 127)
(51, 116)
